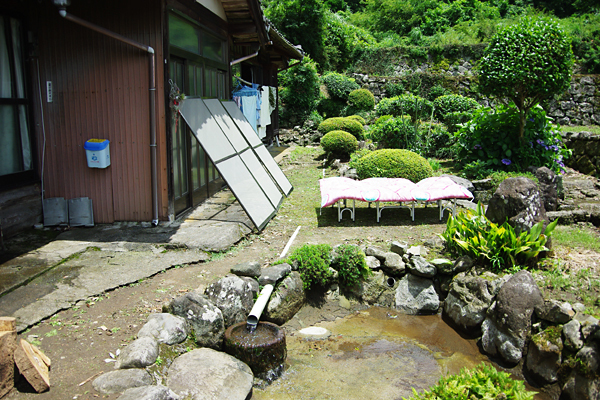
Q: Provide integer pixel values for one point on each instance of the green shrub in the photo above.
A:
(396, 133)
(339, 86)
(472, 233)
(393, 89)
(393, 163)
(481, 382)
(339, 144)
(299, 91)
(313, 265)
(342, 124)
(349, 261)
(361, 99)
(330, 108)
(357, 155)
(358, 118)
(453, 103)
(491, 140)
(406, 104)
(453, 120)
(436, 141)
(437, 91)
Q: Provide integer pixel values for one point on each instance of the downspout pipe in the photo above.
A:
(152, 66)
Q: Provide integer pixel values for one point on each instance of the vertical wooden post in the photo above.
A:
(8, 344)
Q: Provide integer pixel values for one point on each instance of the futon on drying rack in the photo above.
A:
(391, 190)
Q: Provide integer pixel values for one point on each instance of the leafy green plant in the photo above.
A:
(435, 140)
(393, 163)
(482, 382)
(357, 118)
(472, 233)
(453, 103)
(339, 144)
(361, 99)
(349, 261)
(527, 63)
(342, 124)
(313, 264)
(492, 138)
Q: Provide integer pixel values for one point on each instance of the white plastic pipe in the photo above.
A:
(289, 243)
(258, 308)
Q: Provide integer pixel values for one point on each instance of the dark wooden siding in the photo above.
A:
(101, 91)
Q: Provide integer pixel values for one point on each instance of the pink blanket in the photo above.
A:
(390, 190)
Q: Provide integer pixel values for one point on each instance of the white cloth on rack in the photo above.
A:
(249, 110)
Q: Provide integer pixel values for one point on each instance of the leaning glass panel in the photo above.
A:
(227, 125)
(264, 179)
(247, 191)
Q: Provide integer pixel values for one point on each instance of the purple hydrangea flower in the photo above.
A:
(477, 147)
(506, 161)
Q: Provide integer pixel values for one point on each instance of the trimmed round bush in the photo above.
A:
(342, 124)
(358, 118)
(453, 119)
(361, 99)
(453, 103)
(393, 163)
(396, 133)
(339, 143)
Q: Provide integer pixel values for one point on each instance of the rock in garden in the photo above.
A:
(572, 335)
(420, 267)
(519, 200)
(508, 321)
(165, 328)
(400, 248)
(372, 262)
(375, 251)
(580, 387)
(152, 392)
(393, 264)
(287, 299)
(206, 374)
(443, 266)
(544, 356)
(250, 268)
(138, 354)
(121, 380)
(556, 312)
(467, 184)
(415, 295)
(468, 300)
(203, 316)
(233, 296)
(379, 289)
(548, 182)
(272, 275)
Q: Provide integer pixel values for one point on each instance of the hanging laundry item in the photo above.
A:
(249, 99)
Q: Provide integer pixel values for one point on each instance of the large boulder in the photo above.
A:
(468, 300)
(165, 328)
(151, 392)
(234, 297)
(379, 289)
(287, 299)
(508, 321)
(419, 266)
(276, 273)
(416, 295)
(519, 200)
(583, 382)
(206, 374)
(204, 318)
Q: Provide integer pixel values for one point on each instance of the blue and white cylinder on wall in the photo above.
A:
(97, 152)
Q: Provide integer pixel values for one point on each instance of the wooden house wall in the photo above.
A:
(101, 91)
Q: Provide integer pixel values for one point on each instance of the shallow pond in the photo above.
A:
(372, 354)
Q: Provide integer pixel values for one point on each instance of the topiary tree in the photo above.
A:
(406, 104)
(342, 124)
(339, 144)
(393, 163)
(339, 86)
(361, 99)
(527, 63)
